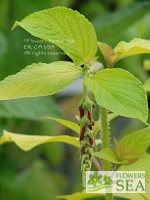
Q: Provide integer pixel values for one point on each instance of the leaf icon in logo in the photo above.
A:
(94, 179)
(107, 180)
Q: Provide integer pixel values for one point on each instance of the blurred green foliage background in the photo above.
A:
(53, 169)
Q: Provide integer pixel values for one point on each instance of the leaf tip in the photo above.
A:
(15, 25)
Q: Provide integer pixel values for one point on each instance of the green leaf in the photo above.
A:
(67, 29)
(39, 80)
(109, 155)
(106, 51)
(120, 92)
(27, 142)
(29, 108)
(73, 126)
(124, 49)
(147, 85)
(133, 146)
(116, 22)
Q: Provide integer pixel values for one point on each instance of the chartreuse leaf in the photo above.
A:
(73, 126)
(120, 92)
(109, 155)
(147, 85)
(67, 29)
(133, 146)
(27, 142)
(39, 80)
(124, 49)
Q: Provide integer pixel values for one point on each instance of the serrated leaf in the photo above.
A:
(67, 29)
(109, 155)
(147, 85)
(27, 142)
(71, 125)
(29, 108)
(120, 92)
(133, 146)
(124, 49)
(39, 80)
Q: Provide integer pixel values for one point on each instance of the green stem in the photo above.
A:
(105, 143)
(85, 91)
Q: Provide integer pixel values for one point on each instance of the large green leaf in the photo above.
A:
(67, 29)
(114, 23)
(73, 126)
(29, 108)
(123, 50)
(120, 92)
(27, 142)
(109, 155)
(133, 146)
(39, 80)
(147, 85)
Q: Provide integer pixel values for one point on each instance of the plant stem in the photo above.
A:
(85, 91)
(105, 142)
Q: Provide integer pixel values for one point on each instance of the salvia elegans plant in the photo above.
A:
(114, 90)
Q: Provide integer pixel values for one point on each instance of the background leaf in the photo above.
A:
(67, 29)
(39, 80)
(29, 109)
(116, 22)
(147, 85)
(120, 92)
(27, 142)
(3, 44)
